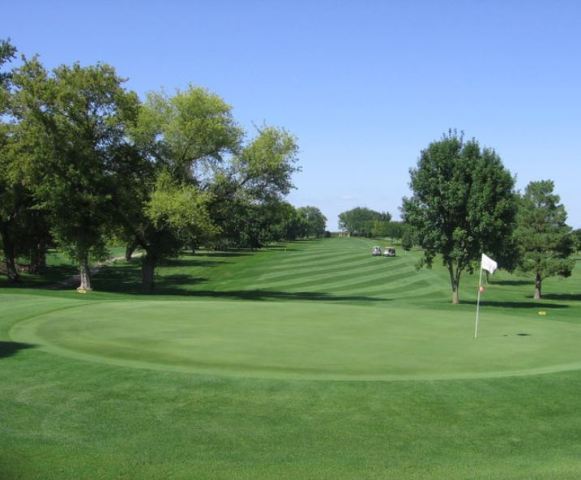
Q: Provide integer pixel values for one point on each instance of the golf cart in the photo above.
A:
(376, 251)
(389, 252)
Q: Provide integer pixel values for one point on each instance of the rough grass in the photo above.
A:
(64, 417)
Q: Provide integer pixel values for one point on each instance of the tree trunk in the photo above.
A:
(455, 283)
(11, 271)
(455, 296)
(85, 274)
(9, 256)
(38, 257)
(538, 284)
(129, 249)
(148, 271)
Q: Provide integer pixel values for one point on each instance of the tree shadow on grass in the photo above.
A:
(281, 248)
(227, 254)
(189, 262)
(50, 276)
(277, 295)
(565, 297)
(168, 281)
(8, 349)
(514, 283)
(127, 280)
(170, 285)
(243, 252)
(125, 277)
(523, 305)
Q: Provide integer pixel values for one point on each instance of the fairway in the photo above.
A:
(303, 340)
(308, 360)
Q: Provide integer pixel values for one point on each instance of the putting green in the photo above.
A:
(304, 340)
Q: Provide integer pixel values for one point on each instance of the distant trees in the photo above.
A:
(313, 220)
(364, 222)
(393, 230)
(463, 204)
(545, 241)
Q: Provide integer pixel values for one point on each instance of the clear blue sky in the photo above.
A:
(364, 85)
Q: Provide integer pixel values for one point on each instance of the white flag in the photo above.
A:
(488, 264)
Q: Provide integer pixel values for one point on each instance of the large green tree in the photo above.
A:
(73, 121)
(315, 221)
(391, 229)
(463, 204)
(362, 221)
(23, 229)
(172, 172)
(248, 190)
(544, 239)
(192, 143)
(180, 138)
(9, 193)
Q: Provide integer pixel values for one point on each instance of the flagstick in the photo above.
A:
(478, 304)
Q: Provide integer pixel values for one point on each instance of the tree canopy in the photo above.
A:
(363, 222)
(84, 160)
(463, 205)
(544, 239)
(10, 188)
(73, 121)
(577, 237)
(313, 220)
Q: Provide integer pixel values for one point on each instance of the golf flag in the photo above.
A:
(488, 264)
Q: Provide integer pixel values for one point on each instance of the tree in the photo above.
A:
(100, 164)
(283, 216)
(463, 204)
(248, 191)
(361, 221)
(264, 167)
(74, 121)
(180, 139)
(23, 229)
(392, 230)
(577, 237)
(192, 142)
(407, 238)
(544, 239)
(315, 221)
(179, 216)
(9, 191)
(295, 224)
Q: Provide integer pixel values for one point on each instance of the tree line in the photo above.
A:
(365, 222)
(84, 160)
(463, 204)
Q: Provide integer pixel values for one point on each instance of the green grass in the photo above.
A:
(313, 361)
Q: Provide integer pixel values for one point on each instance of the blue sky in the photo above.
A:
(364, 85)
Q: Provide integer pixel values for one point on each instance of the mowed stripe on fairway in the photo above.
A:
(339, 276)
(342, 267)
(303, 340)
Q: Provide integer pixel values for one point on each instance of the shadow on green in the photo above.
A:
(9, 349)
